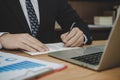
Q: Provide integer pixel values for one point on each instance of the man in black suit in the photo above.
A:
(15, 28)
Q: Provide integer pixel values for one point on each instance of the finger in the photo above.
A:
(73, 40)
(39, 44)
(26, 47)
(32, 42)
(70, 35)
(79, 42)
(63, 36)
(36, 43)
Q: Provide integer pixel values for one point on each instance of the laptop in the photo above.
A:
(99, 57)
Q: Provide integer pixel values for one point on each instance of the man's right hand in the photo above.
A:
(22, 41)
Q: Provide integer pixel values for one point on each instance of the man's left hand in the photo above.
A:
(74, 38)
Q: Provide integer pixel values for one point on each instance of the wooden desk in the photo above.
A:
(74, 72)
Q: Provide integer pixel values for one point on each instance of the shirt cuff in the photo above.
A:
(85, 39)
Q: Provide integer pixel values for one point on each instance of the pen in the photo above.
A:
(72, 26)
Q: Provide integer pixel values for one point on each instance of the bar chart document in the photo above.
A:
(14, 67)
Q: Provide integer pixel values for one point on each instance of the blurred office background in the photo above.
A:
(98, 14)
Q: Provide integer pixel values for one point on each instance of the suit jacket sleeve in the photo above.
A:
(66, 16)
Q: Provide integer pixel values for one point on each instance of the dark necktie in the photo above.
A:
(32, 18)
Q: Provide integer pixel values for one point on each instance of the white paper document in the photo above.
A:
(53, 47)
(14, 67)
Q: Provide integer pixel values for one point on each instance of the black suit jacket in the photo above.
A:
(12, 19)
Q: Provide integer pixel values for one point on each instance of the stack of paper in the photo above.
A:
(103, 20)
(53, 47)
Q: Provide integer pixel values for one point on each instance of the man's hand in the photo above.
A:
(22, 41)
(74, 38)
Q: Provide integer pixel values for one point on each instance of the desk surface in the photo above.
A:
(74, 72)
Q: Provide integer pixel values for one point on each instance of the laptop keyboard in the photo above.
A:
(93, 59)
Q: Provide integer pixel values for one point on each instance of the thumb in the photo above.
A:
(63, 36)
